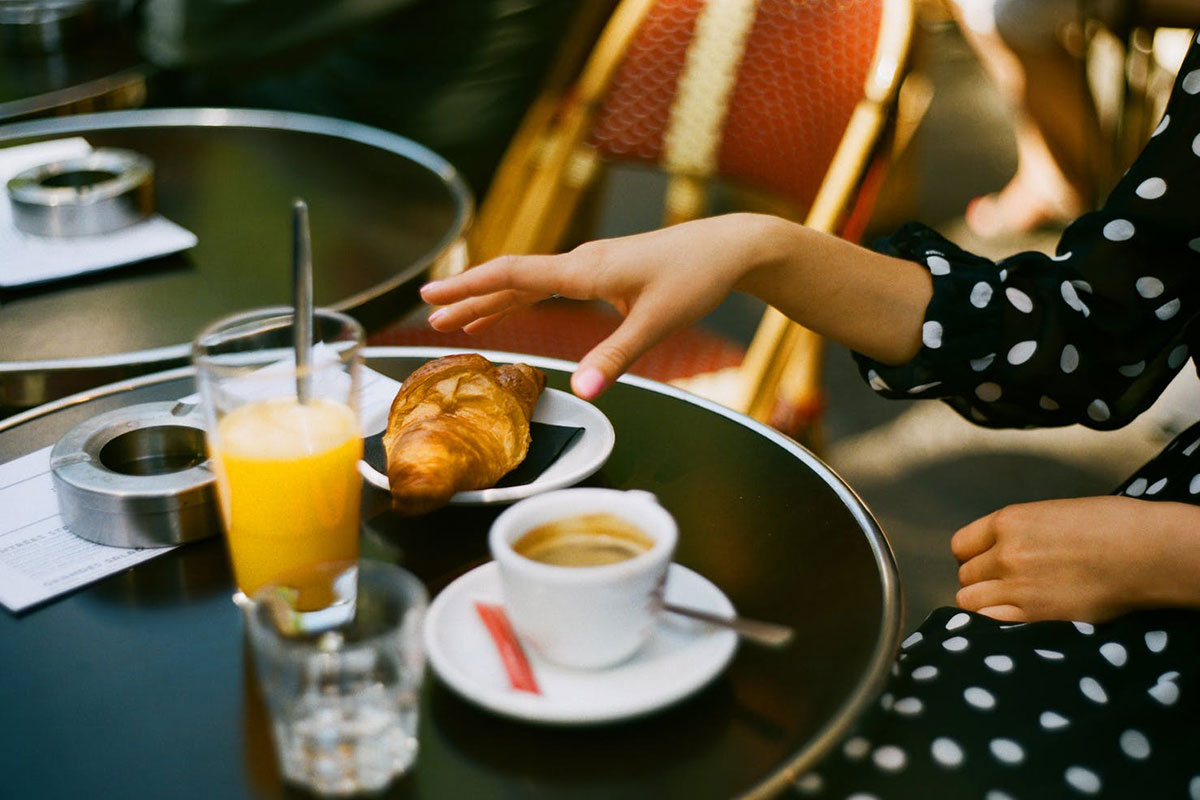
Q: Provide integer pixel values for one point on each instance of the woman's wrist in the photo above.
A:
(1171, 577)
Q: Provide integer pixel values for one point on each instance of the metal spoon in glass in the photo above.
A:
(768, 634)
(302, 292)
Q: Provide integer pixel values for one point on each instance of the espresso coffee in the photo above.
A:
(585, 540)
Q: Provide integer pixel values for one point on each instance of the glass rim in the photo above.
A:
(411, 586)
(200, 355)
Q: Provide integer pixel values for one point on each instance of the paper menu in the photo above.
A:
(41, 559)
(28, 258)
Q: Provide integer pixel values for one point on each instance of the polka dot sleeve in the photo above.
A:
(1092, 334)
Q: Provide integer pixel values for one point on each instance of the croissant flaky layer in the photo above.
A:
(458, 423)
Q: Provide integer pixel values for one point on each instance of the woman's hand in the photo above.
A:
(1087, 559)
(659, 281)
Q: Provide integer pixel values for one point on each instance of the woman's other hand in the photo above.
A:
(1087, 559)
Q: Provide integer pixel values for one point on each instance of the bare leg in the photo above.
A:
(1061, 150)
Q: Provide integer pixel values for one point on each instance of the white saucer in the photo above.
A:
(580, 460)
(680, 658)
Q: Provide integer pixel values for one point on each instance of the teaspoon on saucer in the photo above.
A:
(768, 634)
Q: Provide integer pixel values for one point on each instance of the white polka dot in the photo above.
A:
(925, 673)
(810, 783)
(938, 265)
(1020, 301)
(981, 294)
(908, 706)
(1191, 82)
(1177, 356)
(1071, 297)
(1151, 188)
(886, 701)
(1052, 720)
(956, 644)
(1156, 641)
(1086, 628)
(1157, 486)
(1137, 488)
(1082, 286)
(1048, 403)
(1092, 690)
(889, 758)
(1003, 275)
(1194, 485)
(959, 620)
(980, 698)
(1021, 352)
(1196, 145)
(1006, 751)
(1098, 410)
(999, 663)
(931, 334)
(1162, 126)
(1191, 448)
(856, 747)
(1167, 309)
(1135, 744)
(946, 752)
(1069, 360)
(1049, 655)
(988, 392)
(1173, 675)
(1114, 653)
(1165, 692)
(1083, 780)
(912, 640)
(1149, 286)
(1195, 244)
(1132, 370)
(996, 794)
(1061, 256)
(1194, 783)
(980, 364)
(877, 383)
(862, 796)
(1119, 230)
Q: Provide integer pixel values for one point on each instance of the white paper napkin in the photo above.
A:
(26, 258)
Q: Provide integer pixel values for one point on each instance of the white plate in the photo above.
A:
(681, 657)
(581, 458)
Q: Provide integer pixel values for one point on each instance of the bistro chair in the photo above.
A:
(785, 103)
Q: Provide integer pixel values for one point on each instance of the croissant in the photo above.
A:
(457, 423)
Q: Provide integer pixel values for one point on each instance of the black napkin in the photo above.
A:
(547, 443)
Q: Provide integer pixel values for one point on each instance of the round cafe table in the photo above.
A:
(142, 685)
(383, 210)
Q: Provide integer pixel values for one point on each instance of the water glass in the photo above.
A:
(343, 702)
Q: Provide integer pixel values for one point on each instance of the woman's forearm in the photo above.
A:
(872, 303)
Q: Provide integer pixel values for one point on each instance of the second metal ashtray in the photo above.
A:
(106, 190)
(136, 477)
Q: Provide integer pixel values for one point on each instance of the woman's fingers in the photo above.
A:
(981, 595)
(1005, 613)
(536, 275)
(973, 539)
(616, 354)
(465, 312)
(982, 567)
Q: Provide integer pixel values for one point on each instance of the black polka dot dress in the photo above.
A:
(981, 709)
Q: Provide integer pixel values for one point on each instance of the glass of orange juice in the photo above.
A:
(286, 467)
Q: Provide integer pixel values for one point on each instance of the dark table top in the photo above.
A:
(383, 209)
(141, 685)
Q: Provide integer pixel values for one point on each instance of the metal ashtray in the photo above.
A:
(136, 477)
(103, 191)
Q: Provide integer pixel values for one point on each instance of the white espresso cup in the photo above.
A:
(591, 616)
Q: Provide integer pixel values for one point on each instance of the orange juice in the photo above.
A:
(288, 479)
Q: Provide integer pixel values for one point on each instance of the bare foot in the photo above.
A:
(1021, 208)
